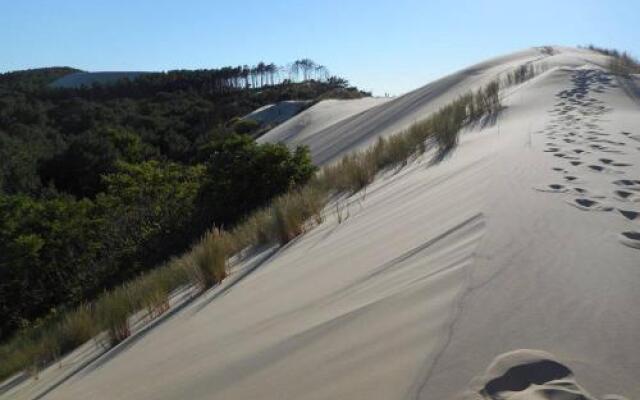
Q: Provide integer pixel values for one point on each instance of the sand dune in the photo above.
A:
(79, 79)
(273, 114)
(318, 117)
(439, 279)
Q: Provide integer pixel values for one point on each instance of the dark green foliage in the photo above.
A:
(48, 250)
(242, 175)
(245, 126)
(34, 79)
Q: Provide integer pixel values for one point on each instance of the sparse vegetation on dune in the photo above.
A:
(621, 63)
(283, 219)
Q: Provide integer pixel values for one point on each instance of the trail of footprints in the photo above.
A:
(582, 148)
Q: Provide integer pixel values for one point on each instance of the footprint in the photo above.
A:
(571, 178)
(562, 155)
(589, 205)
(611, 162)
(576, 163)
(630, 184)
(635, 137)
(600, 168)
(584, 192)
(631, 239)
(528, 374)
(625, 196)
(630, 215)
(552, 188)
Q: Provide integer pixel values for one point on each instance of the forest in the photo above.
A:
(99, 184)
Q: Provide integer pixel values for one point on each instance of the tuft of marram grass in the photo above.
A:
(620, 63)
(113, 311)
(210, 257)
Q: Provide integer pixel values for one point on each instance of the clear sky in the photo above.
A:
(384, 46)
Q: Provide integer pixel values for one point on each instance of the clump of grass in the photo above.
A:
(210, 257)
(547, 50)
(620, 63)
(351, 174)
(293, 210)
(256, 229)
(624, 65)
(77, 327)
(520, 74)
(113, 311)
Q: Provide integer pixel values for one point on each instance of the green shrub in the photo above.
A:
(245, 126)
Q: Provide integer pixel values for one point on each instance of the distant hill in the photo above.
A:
(81, 78)
(32, 79)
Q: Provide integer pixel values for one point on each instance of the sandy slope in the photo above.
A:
(440, 278)
(277, 113)
(361, 129)
(300, 128)
(79, 79)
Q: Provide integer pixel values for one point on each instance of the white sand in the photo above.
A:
(325, 113)
(273, 114)
(79, 79)
(436, 273)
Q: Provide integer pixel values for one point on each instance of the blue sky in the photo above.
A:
(384, 46)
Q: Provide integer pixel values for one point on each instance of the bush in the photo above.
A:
(242, 176)
(245, 126)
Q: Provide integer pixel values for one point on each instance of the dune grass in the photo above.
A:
(620, 63)
(285, 218)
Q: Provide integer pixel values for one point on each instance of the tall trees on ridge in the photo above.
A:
(257, 76)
